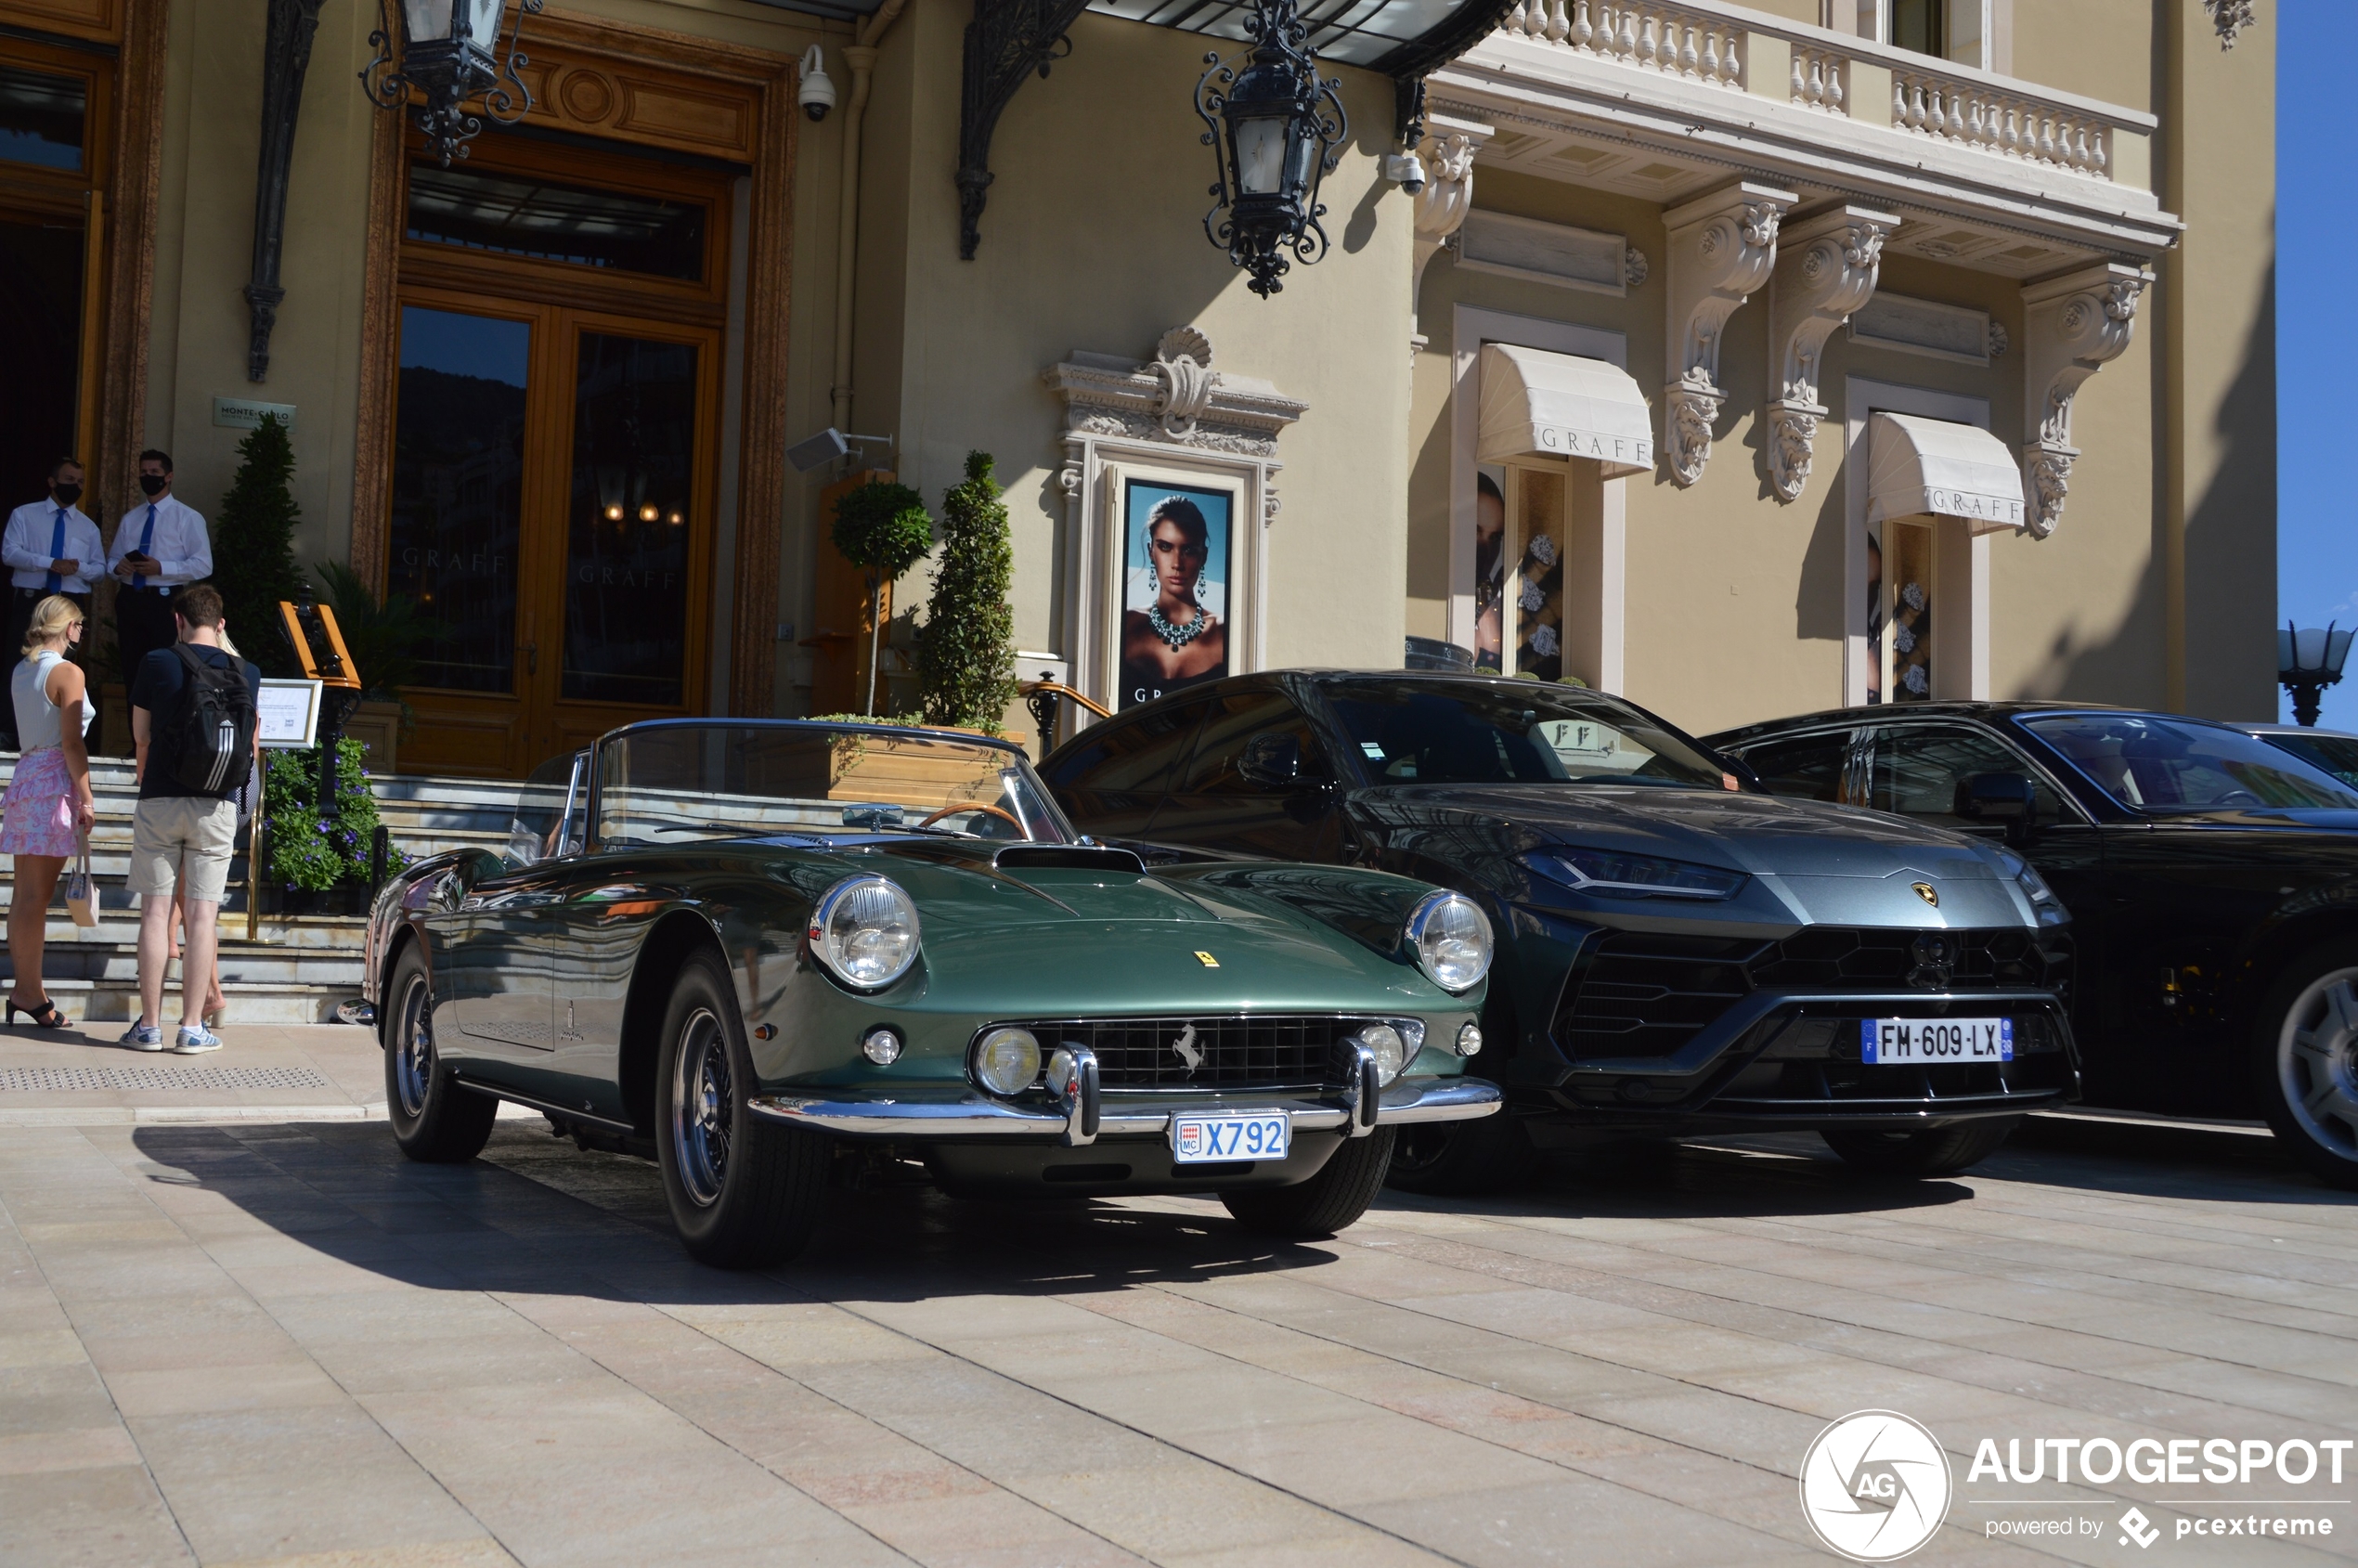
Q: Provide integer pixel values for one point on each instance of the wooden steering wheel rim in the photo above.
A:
(1005, 816)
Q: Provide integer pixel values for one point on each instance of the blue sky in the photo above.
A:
(2317, 324)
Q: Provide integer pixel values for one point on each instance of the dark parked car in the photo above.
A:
(1676, 956)
(780, 956)
(2331, 749)
(2212, 878)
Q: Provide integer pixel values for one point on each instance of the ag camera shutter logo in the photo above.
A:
(1874, 1485)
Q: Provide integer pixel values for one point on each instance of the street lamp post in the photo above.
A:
(446, 51)
(1276, 130)
(2309, 660)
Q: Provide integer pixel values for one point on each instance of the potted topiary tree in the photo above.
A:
(966, 663)
(253, 563)
(882, 528)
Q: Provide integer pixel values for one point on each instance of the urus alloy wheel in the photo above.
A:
(2317, 1061)
(703, 1107)
(414, 1045)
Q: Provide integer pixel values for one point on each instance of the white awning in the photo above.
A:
(1537, 404)
(1916, 466)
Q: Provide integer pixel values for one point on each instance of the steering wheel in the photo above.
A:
(2237, 798)
(1004, 816)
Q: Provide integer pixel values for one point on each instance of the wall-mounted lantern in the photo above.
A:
(447, 51)
(1277, 131)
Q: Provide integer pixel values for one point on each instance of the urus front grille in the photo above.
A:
(1645, 993)
(1256, 1052)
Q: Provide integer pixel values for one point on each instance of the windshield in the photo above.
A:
(673, 783)
(1511, 731)
(547, 825)
(2152, 764)
(2337, 755)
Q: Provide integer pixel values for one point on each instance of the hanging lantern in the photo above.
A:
(1277, 131)
(445, 53)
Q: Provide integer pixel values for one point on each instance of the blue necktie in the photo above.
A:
(147, 537)
(57, 551)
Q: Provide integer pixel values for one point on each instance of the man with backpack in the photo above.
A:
(193, 718)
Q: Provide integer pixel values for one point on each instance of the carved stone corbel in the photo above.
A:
(2073, 326)
(1722, 247)
(1442, 205)
(1826, 268)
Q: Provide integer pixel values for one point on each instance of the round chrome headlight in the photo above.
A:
(866, 932)
(1391, 1051)
(1008, 1060)
(1450, 937)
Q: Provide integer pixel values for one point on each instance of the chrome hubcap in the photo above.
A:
(413, 1046)
(703, 1103)
(2317, 1061)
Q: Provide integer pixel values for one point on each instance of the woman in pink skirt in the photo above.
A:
(48, 804)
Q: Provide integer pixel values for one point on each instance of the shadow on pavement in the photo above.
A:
(537, 1215)
(2143, 1160)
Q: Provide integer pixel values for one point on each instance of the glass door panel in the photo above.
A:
(455, 537)
(632, 517)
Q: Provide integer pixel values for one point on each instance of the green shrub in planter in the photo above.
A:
(967, 661)
(882, 529)
(307, 850)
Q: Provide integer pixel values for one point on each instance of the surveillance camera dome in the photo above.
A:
(817, 94)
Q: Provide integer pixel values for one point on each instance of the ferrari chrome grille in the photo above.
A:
(1258, 1050)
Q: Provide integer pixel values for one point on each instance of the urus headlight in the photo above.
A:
(865, 930)
(1615, 874)
(1450, 937)
(2043, 903)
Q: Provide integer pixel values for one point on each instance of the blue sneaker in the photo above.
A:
(142, 1037)
(195, 1040)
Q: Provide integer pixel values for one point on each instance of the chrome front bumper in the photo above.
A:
(1410, 1100)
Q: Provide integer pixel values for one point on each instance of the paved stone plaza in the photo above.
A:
(264, 1341)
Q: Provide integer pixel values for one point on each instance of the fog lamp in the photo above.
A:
(1389, 1051)
(881, 1046)
(1008, 1060)
(1470, 1039)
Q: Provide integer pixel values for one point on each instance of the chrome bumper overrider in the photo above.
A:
(1430, 1099)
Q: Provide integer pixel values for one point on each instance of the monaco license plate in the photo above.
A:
(1201, 1140)
(1916, 1042)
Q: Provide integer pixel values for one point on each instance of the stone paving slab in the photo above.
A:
(269, 1340)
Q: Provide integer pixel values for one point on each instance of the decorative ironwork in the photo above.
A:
(445, 72)
(1276, 130)
(1006, 42)
(286, 59)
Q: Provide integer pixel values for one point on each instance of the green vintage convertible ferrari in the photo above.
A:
(784, 957)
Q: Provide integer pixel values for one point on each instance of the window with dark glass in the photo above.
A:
(458, 479)
(634, 445)
(1804, 767)
(1918, 768)
(1921, 26)
(41, 118)
(1234, 722)
(516, 215)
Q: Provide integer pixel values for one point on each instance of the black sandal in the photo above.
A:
(47, 1014)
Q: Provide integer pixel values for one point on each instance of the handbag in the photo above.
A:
(81, 898)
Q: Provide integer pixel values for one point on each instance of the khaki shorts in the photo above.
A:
(187, 842)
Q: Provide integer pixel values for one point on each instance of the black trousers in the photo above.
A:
(142, 623)
(22, 602)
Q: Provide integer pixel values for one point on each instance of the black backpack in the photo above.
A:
(211, 725)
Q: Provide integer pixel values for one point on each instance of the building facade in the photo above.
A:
(1743, 359)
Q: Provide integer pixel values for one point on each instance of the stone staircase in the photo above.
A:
(295, 968)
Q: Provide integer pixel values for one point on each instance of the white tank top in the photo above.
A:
(37, 717)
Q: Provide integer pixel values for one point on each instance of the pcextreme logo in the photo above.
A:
(1874, 1485)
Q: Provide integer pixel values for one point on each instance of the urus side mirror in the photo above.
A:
(1997, 797)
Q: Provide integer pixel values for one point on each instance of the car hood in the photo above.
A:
(1810, 861)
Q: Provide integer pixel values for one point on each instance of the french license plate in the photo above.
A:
(1200, 1140)
(1924, 1041)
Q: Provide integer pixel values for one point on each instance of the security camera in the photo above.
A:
(818, 94)
(1406, 168)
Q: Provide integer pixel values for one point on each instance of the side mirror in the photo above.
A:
(1997, 797)
(1271, 761)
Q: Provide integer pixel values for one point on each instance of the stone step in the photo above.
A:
(117, 1002)
(242, 964)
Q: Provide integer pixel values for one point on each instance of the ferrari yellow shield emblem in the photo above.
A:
(1927, 892)
(1207, 961)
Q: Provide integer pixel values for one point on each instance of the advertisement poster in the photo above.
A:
(1176, 552)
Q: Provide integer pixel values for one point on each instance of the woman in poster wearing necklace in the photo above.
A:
(1174, 642)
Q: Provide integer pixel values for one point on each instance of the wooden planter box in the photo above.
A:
(351, 898)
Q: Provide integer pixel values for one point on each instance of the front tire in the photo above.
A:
(744, 1193)
(2304, 1053)
(435, 1121)
(1329, 1201)
(1943, 1151)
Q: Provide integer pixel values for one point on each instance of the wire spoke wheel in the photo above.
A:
(414, 1045)
(703, 1107)
(2317, 1061)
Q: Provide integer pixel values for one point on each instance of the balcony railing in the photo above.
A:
(1743, 51)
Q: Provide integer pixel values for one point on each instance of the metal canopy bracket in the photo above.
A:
(1006, 43)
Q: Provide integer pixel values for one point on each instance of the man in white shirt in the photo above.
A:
(161, 545)
(49, 547)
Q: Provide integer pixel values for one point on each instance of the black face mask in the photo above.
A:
(67, 493)
(152, 484)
